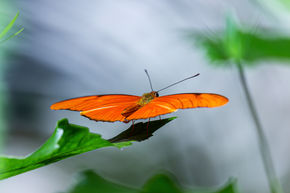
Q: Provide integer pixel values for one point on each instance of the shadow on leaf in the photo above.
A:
(140, 131)
(66, 141)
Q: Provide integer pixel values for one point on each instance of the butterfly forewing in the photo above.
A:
(126, 107)
(99, 107)
(170, 103)
(91, 102)
(193, 100)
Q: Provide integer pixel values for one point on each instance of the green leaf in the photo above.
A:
(233, 41)
(90, 182)
(67, 140)
(8, 28)
(161, 183)
(12, 36)
(141, 131)
(230, 187)
(238, 43)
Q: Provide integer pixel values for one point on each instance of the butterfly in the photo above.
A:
(125, 108)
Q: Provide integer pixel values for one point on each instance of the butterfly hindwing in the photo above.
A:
(109, 113)
(126, 107)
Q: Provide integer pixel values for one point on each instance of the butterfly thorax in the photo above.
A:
(145, 99)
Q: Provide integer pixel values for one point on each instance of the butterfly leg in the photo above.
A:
(133, 125)
(148, 127)
(159, 117)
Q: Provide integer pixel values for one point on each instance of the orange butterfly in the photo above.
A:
(120, 107)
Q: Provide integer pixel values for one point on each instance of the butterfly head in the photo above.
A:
(154, 93)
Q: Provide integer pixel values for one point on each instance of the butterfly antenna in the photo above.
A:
(149, 79)
(179, 82)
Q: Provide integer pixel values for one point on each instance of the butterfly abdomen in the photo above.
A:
(130, 110)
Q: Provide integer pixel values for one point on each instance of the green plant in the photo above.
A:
(8, 28)
(70, 140)
(239, 47)
(90, 182)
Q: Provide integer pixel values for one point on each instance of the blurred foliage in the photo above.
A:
(8, 28)
(278, 8)
(285, 3)
(240, 44)
(69, 140)
(3, 99)
(161, 183)
(90, 182)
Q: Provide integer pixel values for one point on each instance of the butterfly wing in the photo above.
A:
(170, 103)
(99, 107)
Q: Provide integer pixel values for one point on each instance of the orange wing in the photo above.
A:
(170, 103)
(99, 107)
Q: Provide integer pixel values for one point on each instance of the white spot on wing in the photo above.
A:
(166, 107)
(100, 108)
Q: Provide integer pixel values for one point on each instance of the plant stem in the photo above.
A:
(273, 181)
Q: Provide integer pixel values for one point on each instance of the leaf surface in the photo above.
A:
(69, 140)
(66, 141)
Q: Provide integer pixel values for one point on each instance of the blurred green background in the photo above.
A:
(73, 48)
